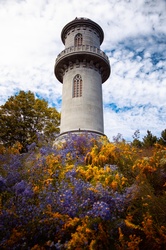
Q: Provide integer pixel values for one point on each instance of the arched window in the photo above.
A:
(78, 40)
(77, 86)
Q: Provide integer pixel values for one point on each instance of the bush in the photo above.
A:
(84, 193)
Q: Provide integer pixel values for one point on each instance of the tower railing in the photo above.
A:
(82, 48)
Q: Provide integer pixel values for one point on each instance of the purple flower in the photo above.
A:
(100, 209)
(31, 146)
(12, 178)
(3, 186)
(22, 188)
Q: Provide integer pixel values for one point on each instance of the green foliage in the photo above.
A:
(23, 118)
(149, 140)
(163, 135)
(162, 139)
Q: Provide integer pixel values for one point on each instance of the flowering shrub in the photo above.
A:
(84, 193)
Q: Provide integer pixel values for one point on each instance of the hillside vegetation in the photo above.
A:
(83, 193)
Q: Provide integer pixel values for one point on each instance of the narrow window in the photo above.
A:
(78, 40)
(77, 86)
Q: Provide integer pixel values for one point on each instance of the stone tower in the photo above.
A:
(82, 68)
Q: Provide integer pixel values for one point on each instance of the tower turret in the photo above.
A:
(82, 68)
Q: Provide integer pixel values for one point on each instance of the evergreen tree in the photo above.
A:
(163, 135)
(23, 118)
(162, 139)
(149, 140)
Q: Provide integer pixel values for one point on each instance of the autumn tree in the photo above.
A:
(24, 118)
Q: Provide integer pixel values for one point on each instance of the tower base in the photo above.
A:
(71, 135)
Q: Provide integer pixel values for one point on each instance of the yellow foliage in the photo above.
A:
(52, 160)
(82, 235)
(92, 245)
(131, 225)
(47, 181)
(2, 150)
(71, 222)
(128, 222)
(123, 180)
(106, 154)
(114, 185)
(147, 224)
(37, 247)
(93, 189)
(121, 235)
(153, 232)
(15, 237)
(36, 189)
(105, 176)
(162, 232)
(145, 166)
(15, 149)
(131, 244)
(117, 177)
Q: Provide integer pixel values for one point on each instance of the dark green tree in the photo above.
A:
(24, 119)
(149, 140)
(162, 139)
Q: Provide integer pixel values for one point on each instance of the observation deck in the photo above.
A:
(85, 54)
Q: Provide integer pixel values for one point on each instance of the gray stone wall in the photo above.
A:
(85, 112)
(90, 37)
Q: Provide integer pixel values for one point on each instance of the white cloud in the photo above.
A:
(135, 33)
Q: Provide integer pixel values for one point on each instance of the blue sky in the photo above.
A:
(134, 97)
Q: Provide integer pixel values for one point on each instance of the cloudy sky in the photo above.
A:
(135, 40)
